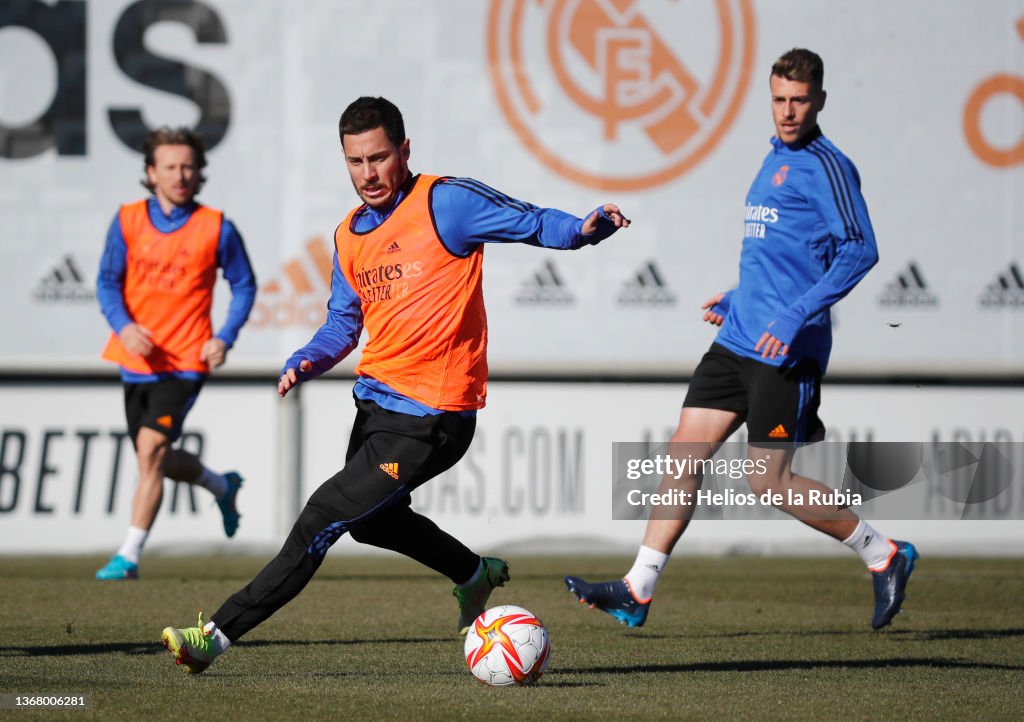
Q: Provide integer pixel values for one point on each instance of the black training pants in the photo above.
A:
(367, 500)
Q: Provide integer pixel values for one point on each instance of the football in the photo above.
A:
(507, 645)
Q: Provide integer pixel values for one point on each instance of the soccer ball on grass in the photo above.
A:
(507, 645)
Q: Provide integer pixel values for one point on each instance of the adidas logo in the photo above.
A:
(779, 432)
(908, 289)
(867, 540)
(298, 298)
(390, 469)
(64, 284)
(544, 288)
(1007, 291)
(393, 248)
(646, 288)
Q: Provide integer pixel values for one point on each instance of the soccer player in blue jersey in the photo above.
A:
(808, 241)
(155, 288)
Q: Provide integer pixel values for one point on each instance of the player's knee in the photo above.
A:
(360, 535)
(314, 529)
(365, 534)
(151, 451)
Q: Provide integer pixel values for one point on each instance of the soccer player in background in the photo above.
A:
(808, 241)
(408, 265)
(155, 288)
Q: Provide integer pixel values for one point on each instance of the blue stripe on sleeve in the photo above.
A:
(492, 195)
(840, 188)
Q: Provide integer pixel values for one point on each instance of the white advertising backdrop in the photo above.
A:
(536, 479)
(67, 471)
(661, 106)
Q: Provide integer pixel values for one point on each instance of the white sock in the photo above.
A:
(131, 548)
(220, 642)
(213, 481)
(875, 549)
(643, 577)
(476, 575)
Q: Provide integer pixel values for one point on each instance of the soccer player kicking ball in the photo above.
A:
(808, 242)
(408, 264)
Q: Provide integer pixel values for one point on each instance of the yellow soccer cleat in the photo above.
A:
(193, 648)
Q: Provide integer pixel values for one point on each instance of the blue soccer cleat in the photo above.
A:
(616, 598)
(117, 569)
(891, 583)
(227, 503)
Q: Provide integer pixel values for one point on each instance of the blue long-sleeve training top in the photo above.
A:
(231, 258)
(466, 213)
(807, 242)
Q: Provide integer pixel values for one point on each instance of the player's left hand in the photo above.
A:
(215, 352)
(614, 215)
(771, 347)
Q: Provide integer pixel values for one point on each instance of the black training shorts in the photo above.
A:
(159, 405)
(779, 404)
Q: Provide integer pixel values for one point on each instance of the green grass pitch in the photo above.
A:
(374, 638)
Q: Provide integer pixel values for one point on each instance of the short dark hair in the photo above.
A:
(802, 66)
(173, 136)
(367, 113)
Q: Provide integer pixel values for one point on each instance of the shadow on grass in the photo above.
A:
(546, 681)
(796, 664)
(257, 643)
(65, 650)
(903, 635)
(140, 648)
(942, 634)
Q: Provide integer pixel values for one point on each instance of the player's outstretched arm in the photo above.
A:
(468, 213)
